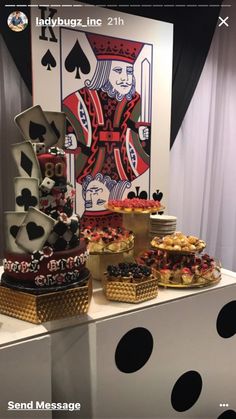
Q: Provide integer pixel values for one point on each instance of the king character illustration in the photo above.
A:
(108, 123)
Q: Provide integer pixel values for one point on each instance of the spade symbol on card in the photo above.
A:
(34, 231)
(55, 130)
(48, 60)
(36, 131)
(26, 200)
(77, 60)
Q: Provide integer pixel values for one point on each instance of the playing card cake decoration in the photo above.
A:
(35, 127)
(42, 235)
(26, 160)
(26, 193)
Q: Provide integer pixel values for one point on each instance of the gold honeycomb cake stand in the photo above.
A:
(45, 307)
(130, 292)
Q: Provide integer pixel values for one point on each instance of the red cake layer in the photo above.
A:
(46, 267)
(54, 167)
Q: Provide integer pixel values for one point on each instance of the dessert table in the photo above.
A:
(80, 359)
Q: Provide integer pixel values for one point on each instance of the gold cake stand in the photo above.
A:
(45, 307)
(130, 292)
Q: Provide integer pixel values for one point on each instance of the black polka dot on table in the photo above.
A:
(134, 350)
(186, 391)
(228, 414)
(226, 320)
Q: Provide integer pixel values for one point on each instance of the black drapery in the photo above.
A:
(193, 31)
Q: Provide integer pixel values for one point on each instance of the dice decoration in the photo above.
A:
(47, 184)
(39, 148)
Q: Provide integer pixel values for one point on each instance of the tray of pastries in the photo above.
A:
(179, 243)
(108, 240)
(134, 205)
(182, 270)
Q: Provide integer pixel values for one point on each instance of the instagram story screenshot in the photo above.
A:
(118, 209)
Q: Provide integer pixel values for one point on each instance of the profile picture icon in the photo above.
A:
(17, 21)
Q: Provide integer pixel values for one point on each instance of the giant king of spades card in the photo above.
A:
(111, 74)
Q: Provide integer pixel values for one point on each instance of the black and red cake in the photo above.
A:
(43, 248)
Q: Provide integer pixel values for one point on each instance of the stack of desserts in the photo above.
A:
(179, 264)
(162, 225)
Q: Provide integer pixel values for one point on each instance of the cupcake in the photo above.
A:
(165, 275)
(187, 276)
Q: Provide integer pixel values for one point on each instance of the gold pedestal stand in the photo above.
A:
(97, 262)
(45, 307)
(139, 224)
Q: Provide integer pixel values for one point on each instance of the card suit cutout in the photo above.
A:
(137, 194)
(26, 200)
(48, 60)
(26, 163)
(36, 131)
(14, 230)
(157, 196)
(77, 60)
(34, 231)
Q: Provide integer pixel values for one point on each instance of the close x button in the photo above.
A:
(223, 21)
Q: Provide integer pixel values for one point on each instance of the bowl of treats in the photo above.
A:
(178, 243)
(130, 282)
(181, 270)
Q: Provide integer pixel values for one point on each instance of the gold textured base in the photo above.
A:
(130, 292)
(45, 307)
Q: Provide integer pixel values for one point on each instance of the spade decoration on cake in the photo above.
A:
(53, 125)
(77, 60)
(36, 131)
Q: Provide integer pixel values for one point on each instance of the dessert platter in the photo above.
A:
(178, 242)
(108, 240)
(134, 206)
(185, 268)
(45, 256)
(106, 246)
(130, 282)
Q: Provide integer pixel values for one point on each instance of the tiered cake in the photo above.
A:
(43, 248)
